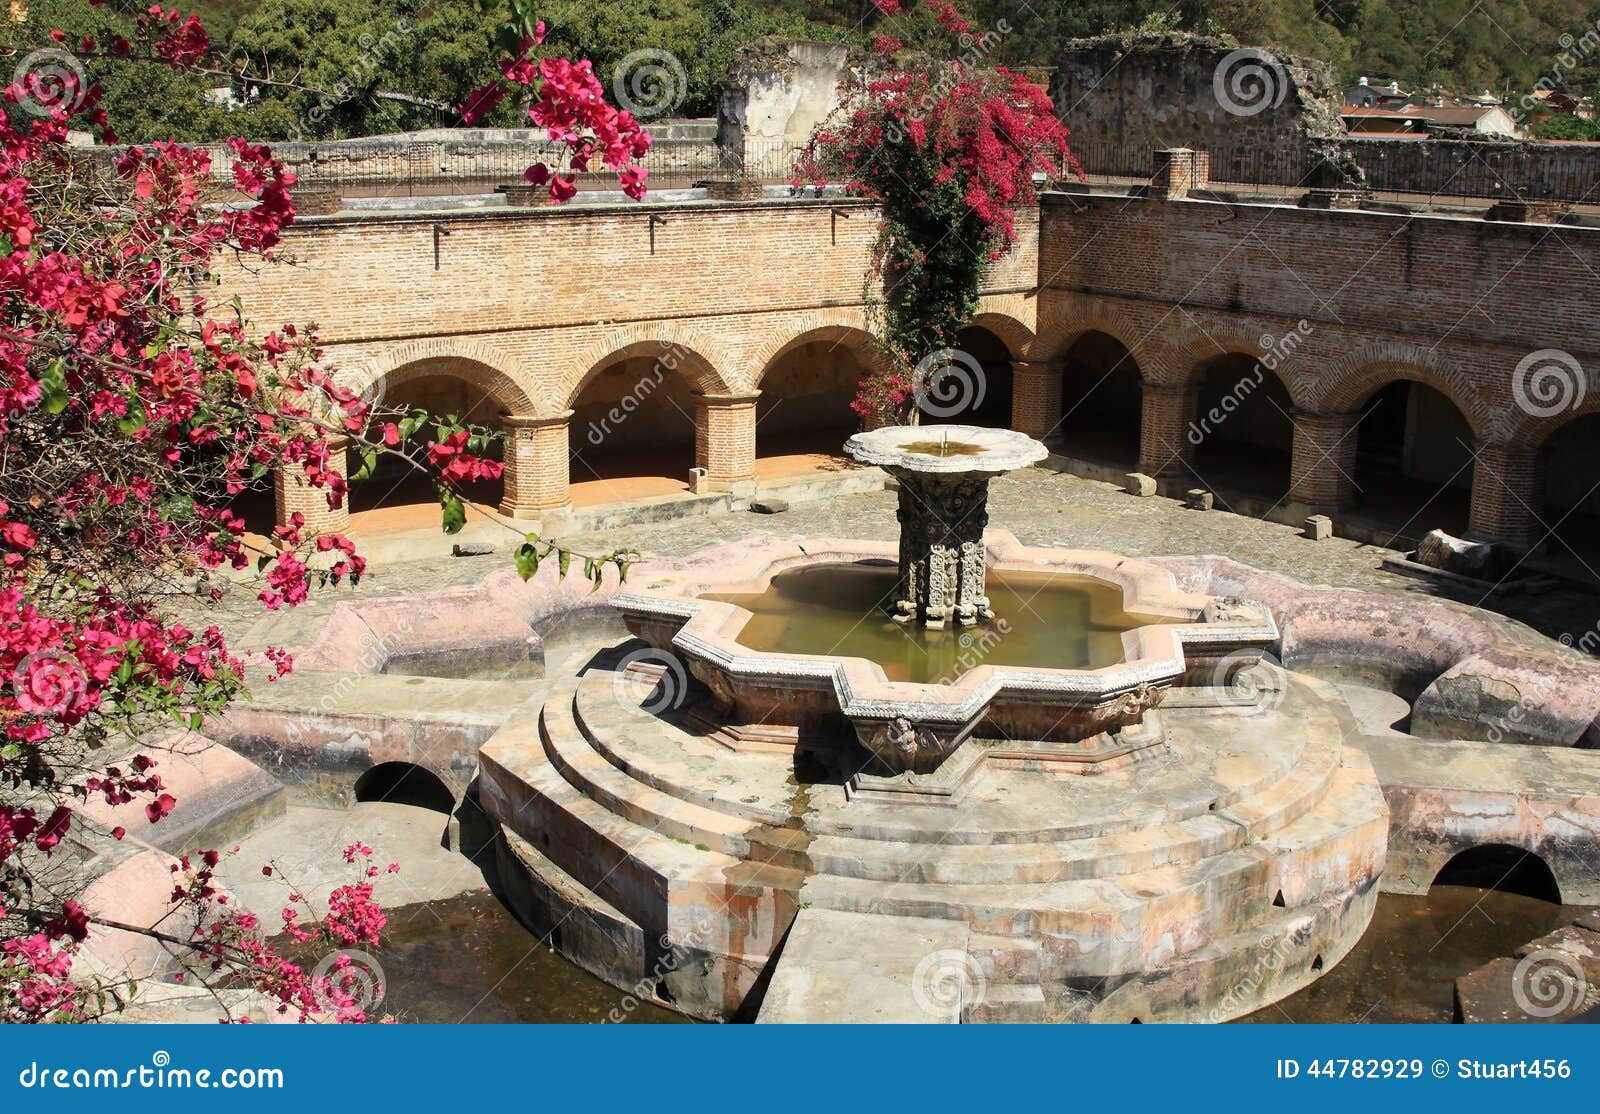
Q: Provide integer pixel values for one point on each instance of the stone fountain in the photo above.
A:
(1040, 757)
(944, 474)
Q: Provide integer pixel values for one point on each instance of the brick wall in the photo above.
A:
(1369, 298)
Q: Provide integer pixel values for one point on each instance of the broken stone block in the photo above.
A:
(1199, 499)
(1137, 483)
(1442, 551)
(1319, 527)
(699, 481)
(769, 506)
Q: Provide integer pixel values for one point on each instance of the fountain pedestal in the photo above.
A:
(944, 474)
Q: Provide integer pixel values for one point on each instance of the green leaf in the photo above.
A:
(527, 557)
(454, 515)
(53, 387)
(563, 560)
(368, 461)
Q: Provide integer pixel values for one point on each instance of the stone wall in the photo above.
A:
(774, 93)
(1143, 92)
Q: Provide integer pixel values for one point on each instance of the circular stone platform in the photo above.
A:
(671, 857)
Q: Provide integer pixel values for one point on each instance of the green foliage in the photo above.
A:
(1567, 127)
(431, 53)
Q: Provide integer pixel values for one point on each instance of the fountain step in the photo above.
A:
(1263, 783)
(1007, 1004)
(929, 858)
(1316, 855)
(850, 968)
(858, 855)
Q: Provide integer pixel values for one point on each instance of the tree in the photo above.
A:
(950, 151)
(132, 412)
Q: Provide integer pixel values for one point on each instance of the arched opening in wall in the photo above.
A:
(1242, 429)
(1570, 512)
(972, 384)
(632, 431)
(1100, 402)
(1413, 461)
(803, 415)
(1499, 866)
(398, 497)
(405, 783)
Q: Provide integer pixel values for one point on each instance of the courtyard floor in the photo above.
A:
(1040, 506)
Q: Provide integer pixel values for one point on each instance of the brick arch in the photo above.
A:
(670, 342)
(1063, 325)
(1016, 336)
(472, 360)
(1354, 378)
(858, 340)
(1198, 347)
(1525, 429)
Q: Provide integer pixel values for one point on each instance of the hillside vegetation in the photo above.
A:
(316, 68)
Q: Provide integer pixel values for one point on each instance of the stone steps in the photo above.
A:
(576, 754)
(656, 754)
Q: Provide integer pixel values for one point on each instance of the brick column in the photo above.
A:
(1164, 418)
(1324, 461)
(536, 476)
(725, 440)
(291, 493)
(1035, 398)
(1179, 170)
(1505, 496)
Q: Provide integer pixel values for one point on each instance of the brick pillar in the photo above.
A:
(1178, 171)
(291, 493)
(1324, 462)
(536, 476)
(725, 440)
(1505, 496)
(1164, 419)
(1035, 398)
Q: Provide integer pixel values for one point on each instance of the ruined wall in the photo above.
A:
(1147, 92)
(776, 91)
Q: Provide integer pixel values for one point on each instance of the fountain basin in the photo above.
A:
(1089, 715)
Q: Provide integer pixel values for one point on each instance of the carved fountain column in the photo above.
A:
(944, 474)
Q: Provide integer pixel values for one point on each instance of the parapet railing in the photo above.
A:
(1404, 167)
(419, 167)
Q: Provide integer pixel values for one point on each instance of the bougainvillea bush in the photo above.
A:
(132, 414)
(951, 150)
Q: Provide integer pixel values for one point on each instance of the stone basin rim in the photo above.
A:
(1154, 653)
(1004, 450)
